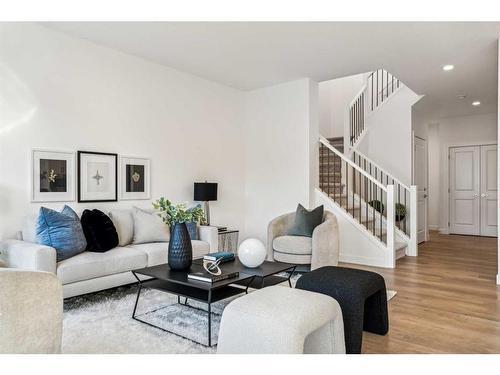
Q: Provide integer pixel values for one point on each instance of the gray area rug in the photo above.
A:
(101, 323)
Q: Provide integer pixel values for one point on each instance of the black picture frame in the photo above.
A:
(79, 170)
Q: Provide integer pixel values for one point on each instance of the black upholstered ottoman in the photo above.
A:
(361, 295)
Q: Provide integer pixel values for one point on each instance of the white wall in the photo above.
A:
(280, 130)
(388, 141)
(62, 92)
(498, 142)
(442, 134)
(335, 96)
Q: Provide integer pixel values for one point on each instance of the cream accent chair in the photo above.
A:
(322, 249)
(31, 310)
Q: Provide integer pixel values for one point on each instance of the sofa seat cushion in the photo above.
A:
(297, 245)
(200, 248)
(157, 252)
(88, 265)
(292, 258)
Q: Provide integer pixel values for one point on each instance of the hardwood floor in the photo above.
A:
(447, 300)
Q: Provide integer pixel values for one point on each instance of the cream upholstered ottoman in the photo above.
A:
(284, 320)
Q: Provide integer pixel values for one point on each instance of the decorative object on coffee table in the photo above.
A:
(205, 192)
(180, 249)
(252, 253)
(97, 177)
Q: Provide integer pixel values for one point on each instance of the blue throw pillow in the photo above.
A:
(62, 231)
(193, 230)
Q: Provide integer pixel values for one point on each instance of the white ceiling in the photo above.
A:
(251, 55)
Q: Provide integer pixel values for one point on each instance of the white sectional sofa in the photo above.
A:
(90, 272)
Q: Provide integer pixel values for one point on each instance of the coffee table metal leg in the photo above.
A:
(210, 318)
(291, 274)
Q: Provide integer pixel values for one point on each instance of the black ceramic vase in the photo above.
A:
(180, 250)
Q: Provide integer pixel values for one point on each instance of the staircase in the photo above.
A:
(377, 203)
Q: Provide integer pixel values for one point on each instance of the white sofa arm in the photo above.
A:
(211, 235)
(28, 255)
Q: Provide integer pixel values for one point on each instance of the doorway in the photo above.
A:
(421, 180)
(473, 190)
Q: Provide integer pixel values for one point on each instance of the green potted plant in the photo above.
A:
(377, 205)
(178, 217)
(400, 211)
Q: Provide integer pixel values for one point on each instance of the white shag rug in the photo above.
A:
(101, 323)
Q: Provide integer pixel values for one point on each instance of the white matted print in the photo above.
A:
(97, 177)
(135, 178)
(52, 176)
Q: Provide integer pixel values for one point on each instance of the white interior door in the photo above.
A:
(420, 168)
(464, 190)
(489, 190)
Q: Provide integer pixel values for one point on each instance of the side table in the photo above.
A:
(228, 240)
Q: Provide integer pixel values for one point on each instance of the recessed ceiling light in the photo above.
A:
(476, 103)
(461, 97)
(448, 67)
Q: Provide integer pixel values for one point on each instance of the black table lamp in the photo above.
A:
(205, 192)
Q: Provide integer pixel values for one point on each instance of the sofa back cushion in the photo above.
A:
(62, 231)
(148, 227)
(124, 225)
(306, 221)
(99, 231)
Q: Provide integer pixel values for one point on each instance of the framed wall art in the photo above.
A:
(135, 178)
(97, 177)
(52, 176)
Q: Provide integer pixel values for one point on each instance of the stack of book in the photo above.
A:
(223, 256)
(209, 278)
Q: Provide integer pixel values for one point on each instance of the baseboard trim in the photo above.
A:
(498, 278)
(366, 261)
(433, 227)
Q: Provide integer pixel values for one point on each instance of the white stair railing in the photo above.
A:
(367, 200)
(371, 195)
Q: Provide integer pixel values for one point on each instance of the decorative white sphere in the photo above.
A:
(252, 253)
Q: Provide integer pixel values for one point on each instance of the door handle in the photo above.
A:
(484, 195)
(425, 195)
(475, 195)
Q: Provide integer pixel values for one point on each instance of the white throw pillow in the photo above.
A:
(148, 227)
(124, 224)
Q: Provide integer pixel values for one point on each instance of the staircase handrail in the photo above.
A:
(391, 176)
(327, 144)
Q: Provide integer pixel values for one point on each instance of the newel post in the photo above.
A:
(413, 245)
(391, 222)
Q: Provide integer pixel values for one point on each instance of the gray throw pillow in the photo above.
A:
(306, 221)
(148, 227)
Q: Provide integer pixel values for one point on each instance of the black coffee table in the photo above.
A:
(176, 282)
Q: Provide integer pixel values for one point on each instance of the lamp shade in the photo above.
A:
(205, 191)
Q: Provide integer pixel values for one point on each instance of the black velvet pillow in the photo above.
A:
(306, 221)
(99, 231)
